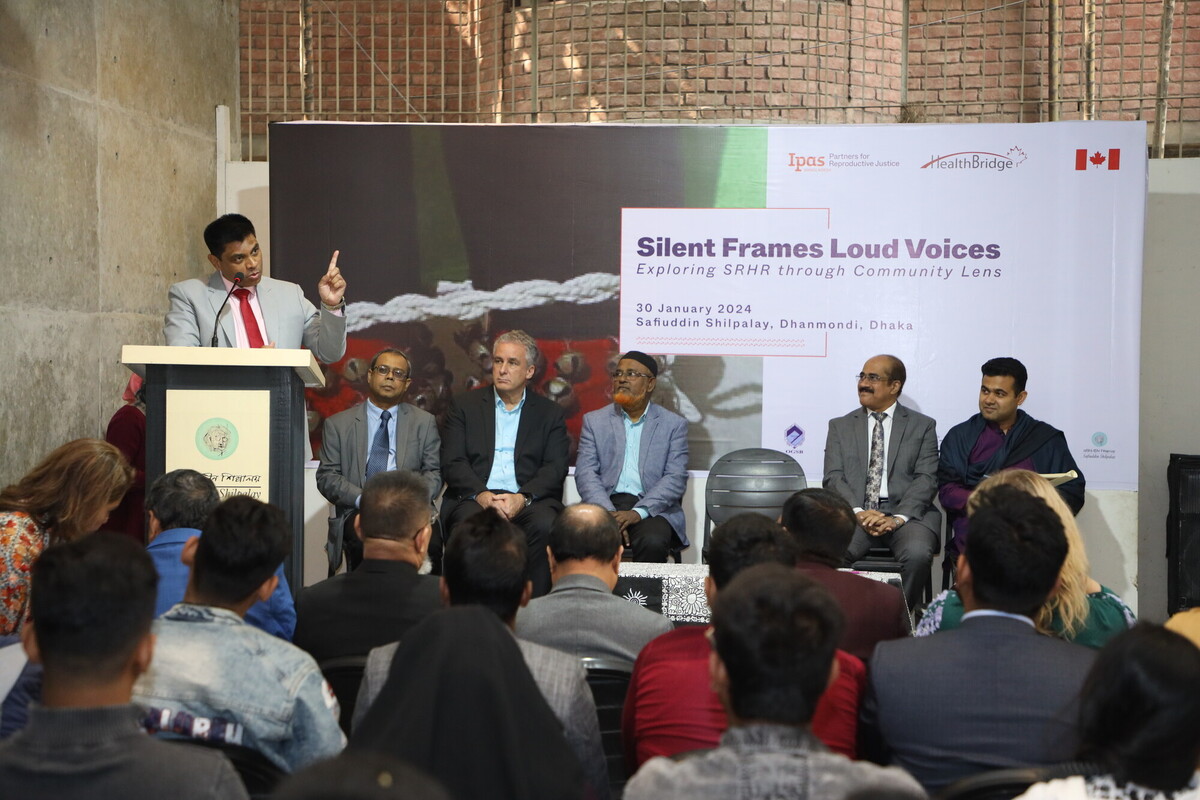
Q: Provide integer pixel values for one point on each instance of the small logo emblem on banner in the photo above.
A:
(1096, 159)
(795, 436)
(1099, 438)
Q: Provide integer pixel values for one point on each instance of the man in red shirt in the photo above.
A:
(670, 707)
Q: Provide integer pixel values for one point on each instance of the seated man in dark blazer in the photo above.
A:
(993, 693)
(821, 524)
(505, 447)
(378, 602)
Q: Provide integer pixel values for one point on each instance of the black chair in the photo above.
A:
(1005, 784)
(259, 774)
(755, 479)
(608, 678)
(345, 674)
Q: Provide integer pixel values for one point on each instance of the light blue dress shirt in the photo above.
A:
(630, 480)
(504, 465)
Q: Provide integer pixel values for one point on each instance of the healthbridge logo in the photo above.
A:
(978, 159)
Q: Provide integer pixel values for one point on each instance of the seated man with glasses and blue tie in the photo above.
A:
(383, 433)
(882, 458)
(632, 461)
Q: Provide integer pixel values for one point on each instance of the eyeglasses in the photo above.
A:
(871, 377)
(617, 374)
(396, 372)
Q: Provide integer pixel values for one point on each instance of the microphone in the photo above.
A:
(237, 281)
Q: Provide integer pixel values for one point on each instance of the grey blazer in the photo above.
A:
(291, 321)
(990, 694)
(344, 452)
(662, 461)
(912, 461)
(562, 681)
(582, 616)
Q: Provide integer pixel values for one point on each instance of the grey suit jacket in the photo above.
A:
(291, 321)
(582, 616)
(563, 682)
(990, 694)
(344, 452)
(662, 461)
(912, 461)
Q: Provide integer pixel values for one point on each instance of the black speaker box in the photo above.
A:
(1183, 533)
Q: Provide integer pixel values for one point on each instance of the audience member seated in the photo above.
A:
(127, 432)
(633, 462)
(460, 703)
(1187, 624)
(671, 707)
(383, 597)
(93, 604)
(581, 615)
(486, 565)
(216, 678)
(360, 776)
(774, 636)
(20, 685)
(68, 495)
(1080, 610)
(821, 524)
(177, 505)
(1138, 712)
(993, 693)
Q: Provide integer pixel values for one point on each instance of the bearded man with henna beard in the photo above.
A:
(632, 461)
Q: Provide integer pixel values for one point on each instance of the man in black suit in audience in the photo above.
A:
(505, 447)
(349, 614)
(993, 693)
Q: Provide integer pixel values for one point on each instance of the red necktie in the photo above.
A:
(253, 335)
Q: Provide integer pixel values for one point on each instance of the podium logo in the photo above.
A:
(216, 438)
(795, 436)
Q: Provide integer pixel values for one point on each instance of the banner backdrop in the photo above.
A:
(765, 264)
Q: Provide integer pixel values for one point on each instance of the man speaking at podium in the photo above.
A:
(262, 312)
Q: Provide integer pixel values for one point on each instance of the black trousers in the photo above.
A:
(535, 521)
(651, 539)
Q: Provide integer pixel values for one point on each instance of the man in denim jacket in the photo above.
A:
(214, 677)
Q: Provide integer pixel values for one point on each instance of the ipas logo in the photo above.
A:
(1094, 159)
(979, 159)
(803, 163)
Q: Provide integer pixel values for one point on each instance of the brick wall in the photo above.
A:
(797, 61)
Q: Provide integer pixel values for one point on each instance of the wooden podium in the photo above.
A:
(236, 415)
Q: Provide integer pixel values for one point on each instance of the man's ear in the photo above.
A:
(1021, 397)
(421, 540)
(526, 593)
(188, 554)
(444, 591)
(718, 676)
(710, 590)
(153, 526)
(266, 589)
(216, 262)
(358, 526)
(616, 561)
(550, 558)
(143, 654)
(29, 642)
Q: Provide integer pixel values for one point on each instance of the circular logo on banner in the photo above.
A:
(1099, 438)
(216, 438)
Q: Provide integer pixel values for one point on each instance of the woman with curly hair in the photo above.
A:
(1080, 610)
(69, 494)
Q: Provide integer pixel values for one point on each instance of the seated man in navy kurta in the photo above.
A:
(999, 437)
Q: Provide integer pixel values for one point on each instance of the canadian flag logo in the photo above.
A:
(1097, 159)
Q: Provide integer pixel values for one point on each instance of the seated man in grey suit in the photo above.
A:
(581, 615)
(261, 311)
(992, 693)
(774, 636)
(882, 459)
(485, 565)
(633, 461)
(381, 434)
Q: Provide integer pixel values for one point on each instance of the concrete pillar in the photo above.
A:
(107, 177)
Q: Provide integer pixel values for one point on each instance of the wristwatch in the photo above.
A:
(528, 499)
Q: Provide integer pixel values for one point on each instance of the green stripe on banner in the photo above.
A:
(443, 254)
(742, 182)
